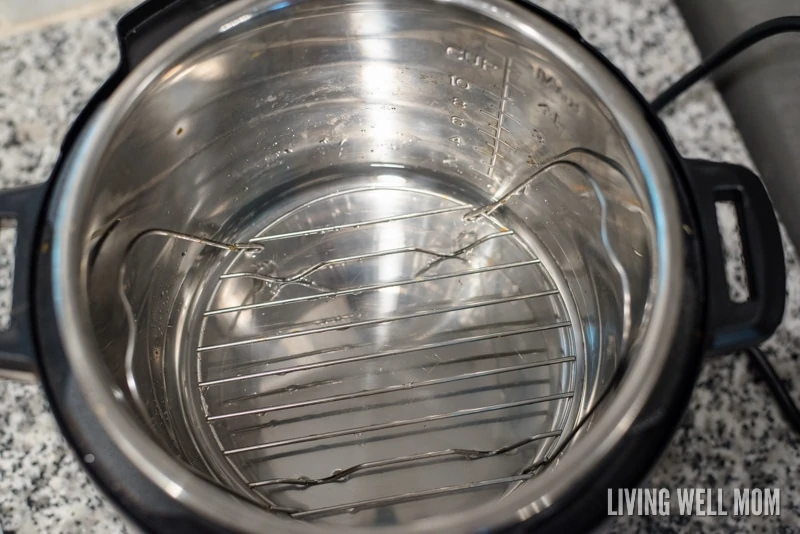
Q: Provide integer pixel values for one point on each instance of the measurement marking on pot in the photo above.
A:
(512, 117)
(489, 93)
(494, 117)
(500, 117)
(503, 141)
(481, 172)
(471, 58)
(509, 145)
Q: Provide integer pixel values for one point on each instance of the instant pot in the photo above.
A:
(420, 266)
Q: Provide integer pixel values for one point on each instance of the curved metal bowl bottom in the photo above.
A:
(385, 357)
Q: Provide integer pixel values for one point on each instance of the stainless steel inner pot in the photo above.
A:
(368, 263)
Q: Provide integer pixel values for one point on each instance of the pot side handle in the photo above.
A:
(17, 348)
(149, 24)
(732, 326)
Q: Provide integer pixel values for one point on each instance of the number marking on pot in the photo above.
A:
(471, 58)
(497, 126)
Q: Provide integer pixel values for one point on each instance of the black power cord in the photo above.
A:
(787, 406)
(739, 44)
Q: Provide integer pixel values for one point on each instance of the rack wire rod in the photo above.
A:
(216, 364)
(390, 389)
(377, 355)
(396, 424)
(379, 320)
(405, 497)
(344, 474)
(302, 276)
(360, 224)
(295, 387)
(330, 350)
(360, 289)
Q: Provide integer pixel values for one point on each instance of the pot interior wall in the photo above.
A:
(357, 117)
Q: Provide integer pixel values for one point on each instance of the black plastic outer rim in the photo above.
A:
(153, 510)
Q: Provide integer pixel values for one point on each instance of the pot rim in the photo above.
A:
(71, 308)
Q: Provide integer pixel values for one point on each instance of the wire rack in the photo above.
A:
(248, 392)
(377, 345)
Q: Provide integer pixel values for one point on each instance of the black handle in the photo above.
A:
(151, 23)
(732, 325)
(16, 343)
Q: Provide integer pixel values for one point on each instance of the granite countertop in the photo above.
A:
(732, 436)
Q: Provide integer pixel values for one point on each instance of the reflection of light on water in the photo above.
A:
(214, 68)
(391, 179)
(395, 179)
(235, 22)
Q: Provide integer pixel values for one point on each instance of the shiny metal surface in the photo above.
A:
(448, 223)
(378, 327)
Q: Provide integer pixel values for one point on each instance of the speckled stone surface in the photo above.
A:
(732, 436)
